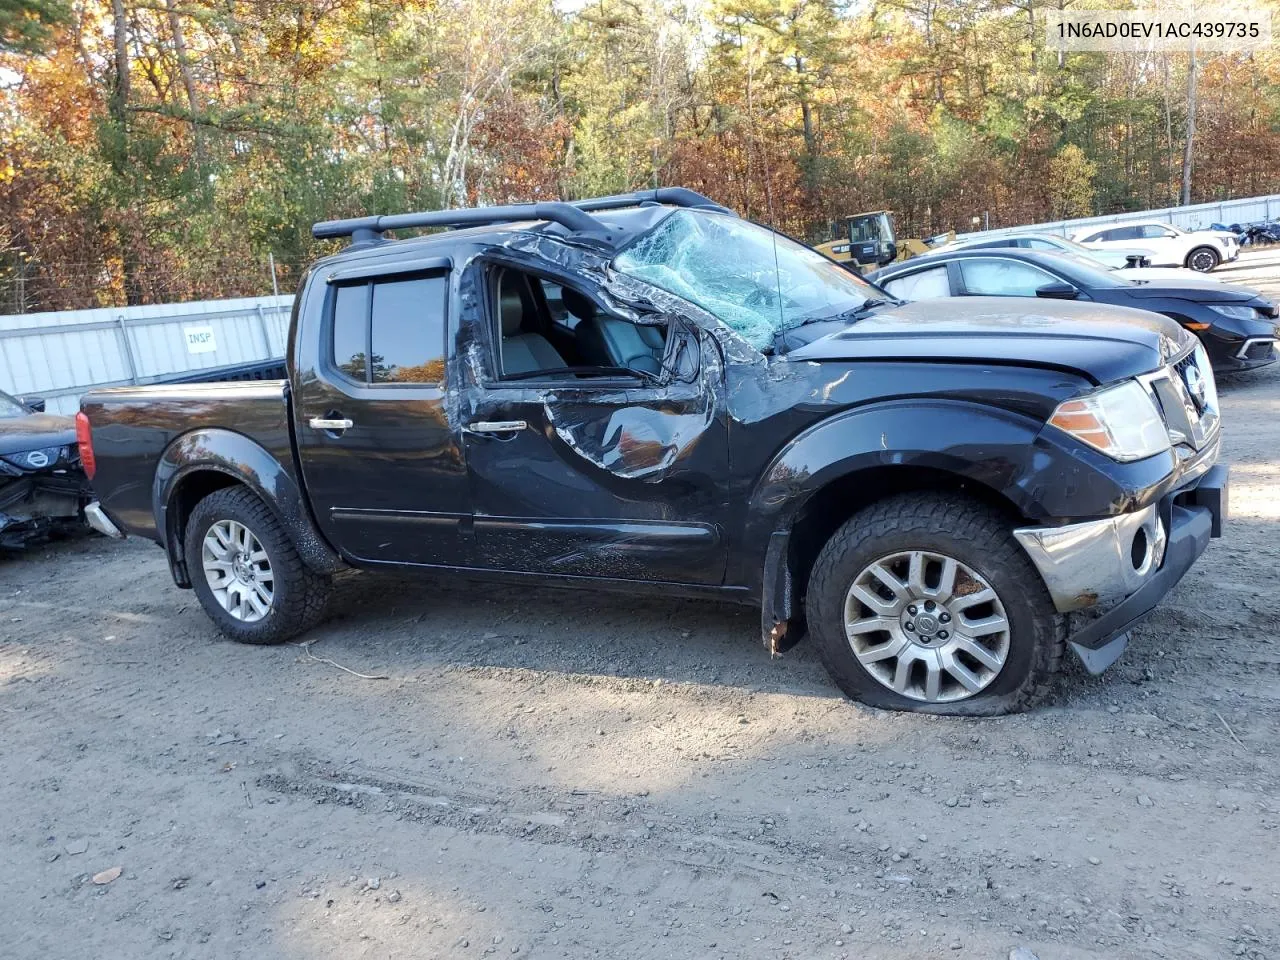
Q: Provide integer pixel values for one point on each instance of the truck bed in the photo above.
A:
(135, 427)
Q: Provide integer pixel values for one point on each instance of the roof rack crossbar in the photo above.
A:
(675, 196)
(366, 229)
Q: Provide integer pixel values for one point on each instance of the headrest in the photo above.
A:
(578, 304)
(510, 304)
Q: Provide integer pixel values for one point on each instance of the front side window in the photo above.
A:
(925, 285)
(1153, 231)
(391, 331)
(753, 280)
(1002, 278)
(1035, 243)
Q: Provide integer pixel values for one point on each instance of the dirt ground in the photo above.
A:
(555, 774)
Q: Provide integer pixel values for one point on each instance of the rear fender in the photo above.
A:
(207, 459)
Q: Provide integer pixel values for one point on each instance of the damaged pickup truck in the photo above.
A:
(647, 393)
(42, 488)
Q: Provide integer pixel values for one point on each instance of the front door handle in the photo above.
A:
(497, 426)
(324, 423)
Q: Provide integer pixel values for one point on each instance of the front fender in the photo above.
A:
(1044, 476)
(245, 460)
(984, 444)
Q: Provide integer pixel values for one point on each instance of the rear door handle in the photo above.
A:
(497, 426)
(322, 423)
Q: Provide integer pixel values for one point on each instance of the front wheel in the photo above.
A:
(246, 572)
(928, 603)
(1203, 259)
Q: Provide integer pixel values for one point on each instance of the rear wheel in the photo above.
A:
(246, 572)
(928, 603)
(1203, 259)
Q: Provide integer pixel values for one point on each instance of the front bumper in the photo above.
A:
(1129, 562)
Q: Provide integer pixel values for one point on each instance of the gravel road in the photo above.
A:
(550, 774)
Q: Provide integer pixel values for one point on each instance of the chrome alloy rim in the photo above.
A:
(238, 570)
(927, 626)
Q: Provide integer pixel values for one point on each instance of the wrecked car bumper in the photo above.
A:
(42, 492)
(32, 508)
(1125, 564)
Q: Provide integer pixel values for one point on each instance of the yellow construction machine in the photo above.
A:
(868, 242)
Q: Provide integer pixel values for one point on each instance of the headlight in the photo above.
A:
(1233, 311)
(1120, 421)
(1209, 388)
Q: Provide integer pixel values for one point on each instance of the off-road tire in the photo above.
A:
(975, 535)
(1196, 257)
(300, 594)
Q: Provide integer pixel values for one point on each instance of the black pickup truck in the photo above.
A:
(647, 393)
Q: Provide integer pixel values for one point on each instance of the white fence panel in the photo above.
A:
(1194, 217)
(62, 354)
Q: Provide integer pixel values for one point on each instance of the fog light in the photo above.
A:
(1139, 550)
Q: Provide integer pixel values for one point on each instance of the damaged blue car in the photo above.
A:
(42, 488)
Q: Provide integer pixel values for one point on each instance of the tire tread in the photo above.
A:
(965, 520)
(306, 593)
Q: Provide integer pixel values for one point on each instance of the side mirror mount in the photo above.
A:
(32, 403)
(684, 359)
(1058, 290)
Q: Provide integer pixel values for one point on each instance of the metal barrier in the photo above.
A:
(1194, 217)
(62, 354)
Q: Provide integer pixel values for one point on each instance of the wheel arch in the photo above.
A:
(807, 494)
(1217, 254)
(200, 462)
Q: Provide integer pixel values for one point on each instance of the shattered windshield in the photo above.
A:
(754, 281)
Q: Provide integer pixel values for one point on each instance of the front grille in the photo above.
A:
(1187, 400)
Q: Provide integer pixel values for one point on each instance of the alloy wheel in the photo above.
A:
(1203, 261)
(927, 626)
(238, 570)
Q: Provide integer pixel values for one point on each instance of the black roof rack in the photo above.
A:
(576, 216)
(675, 196)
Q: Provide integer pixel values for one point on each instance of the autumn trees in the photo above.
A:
(156, 150)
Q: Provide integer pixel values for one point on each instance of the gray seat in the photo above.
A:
(605, 341)
(522, 352)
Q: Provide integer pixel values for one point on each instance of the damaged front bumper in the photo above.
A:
(34, 507)
(1124, 566)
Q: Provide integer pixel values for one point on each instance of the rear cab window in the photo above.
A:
(391, 331)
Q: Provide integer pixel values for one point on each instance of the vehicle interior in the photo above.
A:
(551, 329)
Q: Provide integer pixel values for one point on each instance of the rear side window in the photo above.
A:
(391, 331)
(925, 285)
(350, 326)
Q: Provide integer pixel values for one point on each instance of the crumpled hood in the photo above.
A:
(1103, 343)
(35, 432)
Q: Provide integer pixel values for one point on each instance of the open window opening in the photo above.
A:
(551, 330)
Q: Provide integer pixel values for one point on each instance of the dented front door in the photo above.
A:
(596, 481)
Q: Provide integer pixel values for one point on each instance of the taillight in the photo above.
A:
(84, 440)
